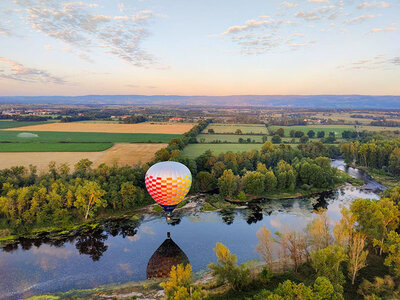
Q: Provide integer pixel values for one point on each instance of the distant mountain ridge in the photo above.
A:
(295, 101)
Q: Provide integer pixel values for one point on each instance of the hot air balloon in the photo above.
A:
(168, 183)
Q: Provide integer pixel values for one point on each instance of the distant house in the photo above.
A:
(176, 119)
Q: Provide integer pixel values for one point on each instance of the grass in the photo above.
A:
(195, 150)
(87, 137)
(54, 147)
(228, 138)
(338, 129)
(15, 124)
(231, 128)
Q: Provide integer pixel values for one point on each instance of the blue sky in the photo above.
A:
(52, 47)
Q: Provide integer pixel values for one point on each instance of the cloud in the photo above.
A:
(319, 1)
(374, 5)
(79, 26)
(359, 19)
(377, 62)
(13, 70)
(249, 24)
(308, 16)
(289, 4)
(387, 29)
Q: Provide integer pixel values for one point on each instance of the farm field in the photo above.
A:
(338, 129)
(53, 147)
(123, 154)
(164, 128)
(15, 124)
(231, 128)
(86, 137)
(227, 138)
(194, 150)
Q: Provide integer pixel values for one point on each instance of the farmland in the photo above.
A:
(227, 138)
(53, 147)
(231, 128)
(338, 129)
(194, 150)
(160, 128)
(16, 124)
(123, 154)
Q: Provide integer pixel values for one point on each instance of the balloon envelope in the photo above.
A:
(168, 183)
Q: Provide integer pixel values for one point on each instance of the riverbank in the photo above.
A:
(381, 177)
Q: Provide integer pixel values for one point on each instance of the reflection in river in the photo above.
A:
(120, 250)
(167, 255)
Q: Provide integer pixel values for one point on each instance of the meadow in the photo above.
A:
(227, 138)
(338, 129)
(54, 147)
(15, 124)
(195, 150)
(231, 128)
(86, 137)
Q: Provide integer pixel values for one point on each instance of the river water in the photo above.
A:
(120, 252)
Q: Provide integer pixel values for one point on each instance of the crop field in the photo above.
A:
(194, 150)
(338, 129)
(122, 154)
(231, 128)
(227, 138)
(86, 137)
(53, 147)
(15, 124)
(161, 128)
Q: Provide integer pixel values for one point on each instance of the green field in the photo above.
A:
(15, 124)
(86, 137)
(231, 128)
(54, 147)
(194, 150)
(338, 129)
(227, 138)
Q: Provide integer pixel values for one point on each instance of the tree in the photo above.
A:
(226, 270)
(205, 180)
(357, 255)
(320, 134)
(270, 181)
(267, 147)
(376, 218)
(392, 249)
(292, 133)
(345, 228)
(276, 139)
(293, 246)
(179, 284)
(394, 162)
(227, 183)
(298, 134)
(264, 246)
(254, 183)
(311, 134)
(381, 288)
(211, 131)
(280, 132)
(238, 131)
(131, 195)
(89, 198)
(304, 139)
(327, 263)
(319, 235)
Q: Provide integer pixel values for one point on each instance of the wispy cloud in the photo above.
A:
(374, 5)
(78, 25)
(13, 70)
(359, 19)
(376, 62)
(386, 29)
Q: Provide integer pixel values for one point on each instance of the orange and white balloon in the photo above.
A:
(168, 183)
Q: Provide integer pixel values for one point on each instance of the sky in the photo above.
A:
(187, 47)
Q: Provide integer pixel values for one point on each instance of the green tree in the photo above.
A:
(270, 181)
(227, 183)
(254, 183)
(280, 132)
(311, 134)
(304, 139)
(276, 139)
(392, 249)
(89, 198)
(327, 263)
(394, 162)
(131, 196)
(205, 180)
(227, 270)
(320, 134)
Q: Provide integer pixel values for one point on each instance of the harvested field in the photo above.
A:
(123, 154)
(172, 128)
(231, 128)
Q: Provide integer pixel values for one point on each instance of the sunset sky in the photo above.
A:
(52, 47)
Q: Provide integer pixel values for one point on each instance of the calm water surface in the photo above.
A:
(121, 251)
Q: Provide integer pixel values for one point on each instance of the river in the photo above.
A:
(121, 250)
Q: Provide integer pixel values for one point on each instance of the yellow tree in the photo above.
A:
(178, 286)
(89, 198)
(293, 246)
(319, 235)
(345, 228)
(264, 246)
(357, 255)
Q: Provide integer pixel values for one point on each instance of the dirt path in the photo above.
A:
(123, 154)
(172, 128)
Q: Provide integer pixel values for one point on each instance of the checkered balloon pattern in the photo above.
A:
(168, 182)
